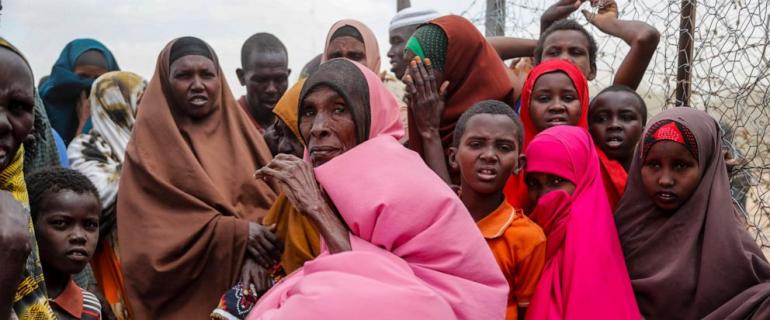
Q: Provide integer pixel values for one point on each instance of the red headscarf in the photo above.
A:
(613, 174)
(474, 71)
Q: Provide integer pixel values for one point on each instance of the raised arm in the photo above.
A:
(509, 48)
(559, 10)
(426, 103)
(642, 37)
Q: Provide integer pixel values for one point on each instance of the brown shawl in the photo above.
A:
(185, 200)
(687, 264)
(474, 71)
(370, 42)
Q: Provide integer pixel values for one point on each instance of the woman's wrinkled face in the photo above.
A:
(554, 101)
(670, 175)
(347, 47)
(195, 86)
(17, 104)
(326, 124)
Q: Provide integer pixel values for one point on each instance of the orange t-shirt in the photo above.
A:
(518, 245)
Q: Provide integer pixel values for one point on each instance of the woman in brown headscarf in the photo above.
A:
(187, 202)
(353, 40)
(687, 254)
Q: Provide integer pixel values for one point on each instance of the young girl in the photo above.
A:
(584, 274)
(687, 254)
(556, 93)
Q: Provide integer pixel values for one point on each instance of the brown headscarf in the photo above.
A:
(185, 200)
(687, 264)
(370, 42)
(474, 71)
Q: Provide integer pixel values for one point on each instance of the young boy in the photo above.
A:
(486, 151)
(616, 118)
(65, 210)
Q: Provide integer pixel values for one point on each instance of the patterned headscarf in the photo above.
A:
(99, 154)
(430, 41)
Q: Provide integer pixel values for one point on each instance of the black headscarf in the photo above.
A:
(342, 76)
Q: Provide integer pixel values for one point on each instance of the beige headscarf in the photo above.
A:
(370, 42)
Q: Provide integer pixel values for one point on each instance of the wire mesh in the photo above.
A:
(730, 78)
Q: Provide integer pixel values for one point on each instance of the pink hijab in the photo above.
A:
(585, 273)
(416, 254)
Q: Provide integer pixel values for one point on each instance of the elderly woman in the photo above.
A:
(187, 203)
(397, 243)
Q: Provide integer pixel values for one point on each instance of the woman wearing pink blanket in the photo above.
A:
(585, 274)
(397, 242)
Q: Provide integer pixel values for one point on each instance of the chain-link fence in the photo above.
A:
(730, 77)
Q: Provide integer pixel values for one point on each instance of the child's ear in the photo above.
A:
(452, 158)
(520, 164)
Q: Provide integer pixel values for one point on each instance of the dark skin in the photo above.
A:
(195, 87)
(67, 229)
(398, 38)
(670, 175)
(641, 37)
(327, 125)
(347, 47)
(554, 101)
(84, 104)
(426, 101)
(16, 118)
(487, 154)
(283, 139)
(615, 123)
(266, 78)
(539, 184)
(572, 46)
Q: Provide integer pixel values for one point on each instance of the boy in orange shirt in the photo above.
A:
(486, 152)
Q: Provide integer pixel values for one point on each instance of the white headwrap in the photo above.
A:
(412, 16)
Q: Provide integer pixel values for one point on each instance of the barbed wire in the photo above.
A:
(730, 78)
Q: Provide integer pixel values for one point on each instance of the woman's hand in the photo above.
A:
(559, 10)
(298, 182)
(264, 246)
(426, 99)
(255, 277)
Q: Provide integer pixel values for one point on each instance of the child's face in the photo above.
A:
(571, 45)
(67, 229)
(554, 101)
(670, 175)
(538, 184)
(615, 123)
(487, 154)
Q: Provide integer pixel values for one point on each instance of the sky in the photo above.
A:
(137, 30)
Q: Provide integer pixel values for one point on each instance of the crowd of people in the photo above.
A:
(452, 186)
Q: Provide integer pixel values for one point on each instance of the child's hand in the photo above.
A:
(426, 99)
(607, 11)
(560, 10)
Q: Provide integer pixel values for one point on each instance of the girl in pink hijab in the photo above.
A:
(397, 243)
(585, 274)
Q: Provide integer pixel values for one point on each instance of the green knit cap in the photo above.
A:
(430, 41)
